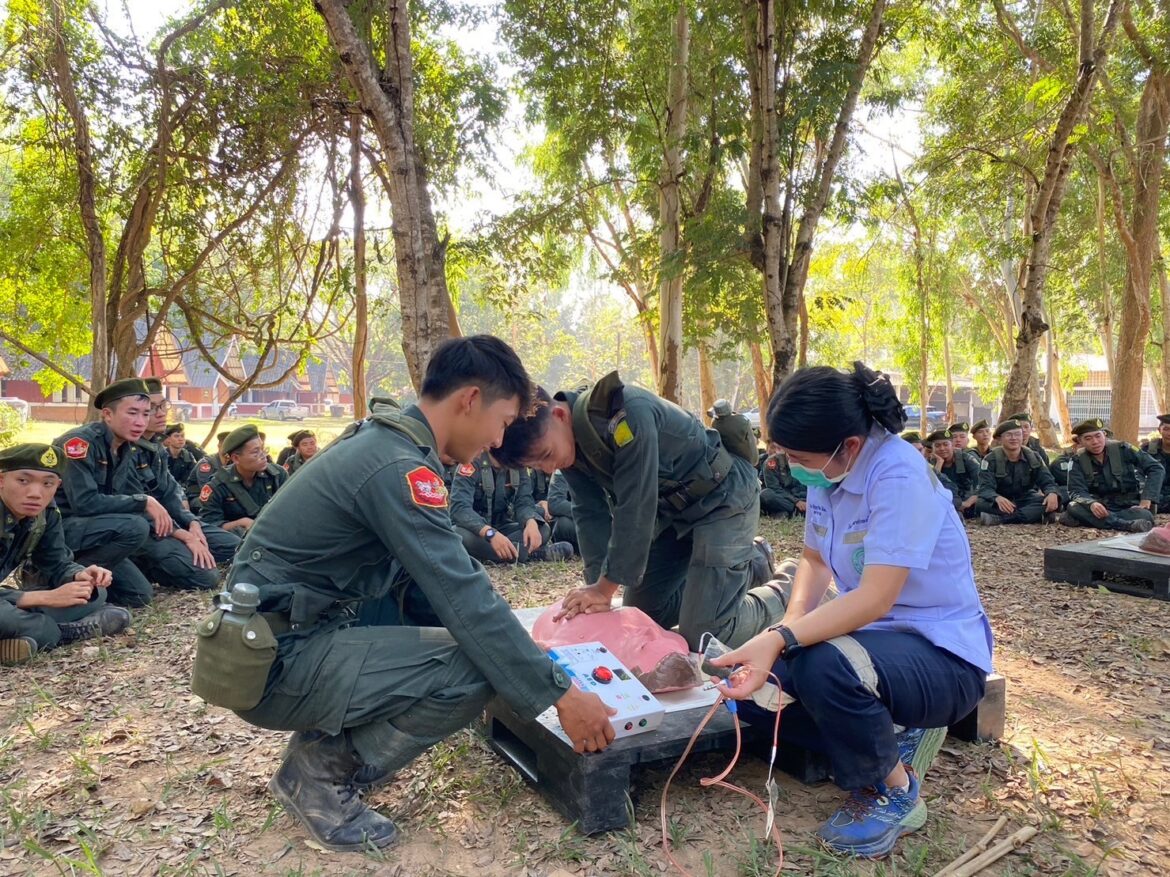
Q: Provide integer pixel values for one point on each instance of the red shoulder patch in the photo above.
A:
(204, 466)
(427, 488)
(205, 493)
(76, 448)
(466, 470)
(771, 464)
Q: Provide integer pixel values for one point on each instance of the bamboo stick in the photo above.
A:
(997, 852)
(978, 848)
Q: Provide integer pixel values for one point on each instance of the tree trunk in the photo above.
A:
(949, 375)
(357, 201)
(1106, 325)
(1140, 236)
(670, 284)
(95, 244)
(1057, 393)
(1046, 205)
(387, 98)
(784, 350)
(1164, 288)
(763, 388)
(706, 381)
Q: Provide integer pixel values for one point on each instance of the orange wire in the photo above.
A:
(719, 780)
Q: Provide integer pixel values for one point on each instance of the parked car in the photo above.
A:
(284, 409)
(753, 417)
(20, 406)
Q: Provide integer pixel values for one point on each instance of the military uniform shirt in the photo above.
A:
(1116, 488)
(560, 500)
(39, 540)
(181, 465)
(370, 519)
(1026, 476)
(474, 507)
(775, 474)
(98, 481)
(226, 498)
(961, 476)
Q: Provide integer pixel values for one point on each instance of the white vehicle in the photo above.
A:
(284, 409)
(20, 406)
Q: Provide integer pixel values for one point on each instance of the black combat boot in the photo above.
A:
(107, 621)
(763, 562)
(553, 551)
(315, 784)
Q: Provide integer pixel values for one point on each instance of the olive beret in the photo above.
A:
(154, 385)
(982, 424)
(304, 434)
(120, 390)
(1005, 425)
(172, 428)
(1021, 417)
(938, 435)
(239, 437)
(294, 437)
(961, 426)
(45, 458)
(1164, 418)
(1093, 424)
(912, 436)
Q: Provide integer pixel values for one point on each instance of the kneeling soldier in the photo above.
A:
(1112, 485)
(957, 470)
(237, 492)
(72, 604)
(494, 513)
(663, 508)
(1015, 486)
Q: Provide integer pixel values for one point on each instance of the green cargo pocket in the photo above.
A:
(232, 660)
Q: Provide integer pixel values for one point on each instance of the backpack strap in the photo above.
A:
(605, 397)
(231, 480)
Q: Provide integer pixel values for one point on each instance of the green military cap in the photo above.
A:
(172, 428)
(1164, 418)
(1005, 425)
(721, 408)
(294, 437)
(120, 390)
(304, 434)
(912, 436)
(29, 455)
(938, 435)
(239, 437)
(961, 426)
(154, 385)
(1021, 417)
(220, 436)
(982, 424)
(1093, 424)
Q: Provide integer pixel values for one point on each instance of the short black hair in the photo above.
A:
(524, 432)
(817, 408)
(482, 361)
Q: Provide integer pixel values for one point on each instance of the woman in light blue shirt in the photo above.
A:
(904, 650)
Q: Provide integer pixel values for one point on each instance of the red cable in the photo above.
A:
(719, 780)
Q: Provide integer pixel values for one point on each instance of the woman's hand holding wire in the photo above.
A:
(751, 663)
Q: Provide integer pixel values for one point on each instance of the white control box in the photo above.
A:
(595, 670)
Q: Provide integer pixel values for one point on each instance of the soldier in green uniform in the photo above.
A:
(1032, 442)
(1112, 485)
(116, 483)
(957, 470)
(1062, 465)
(238, 491)
(290, 448)
(201, 475)
(735, 430)
(915, 438)
(780, 494)
(560, 508)
(1015, 486)
(663, 509)
(493, 511)
(1159, 449)
(981, 432)
(306, 449)
(71, 604)
(960, 435)
(179, 459)
(365, 701)
(160, 408)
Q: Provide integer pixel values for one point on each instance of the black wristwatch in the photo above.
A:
(489, 534)
(791, 645)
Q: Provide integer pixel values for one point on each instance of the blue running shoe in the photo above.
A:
(918, 747)
(872, 820)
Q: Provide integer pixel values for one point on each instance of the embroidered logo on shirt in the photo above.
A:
(859, 560)
(49, 458)
(427, 488)
(205, 493)
(622, 434)
(466, 470)
(76, 448)
(204, 466)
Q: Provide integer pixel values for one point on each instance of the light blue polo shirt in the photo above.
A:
(891, 509)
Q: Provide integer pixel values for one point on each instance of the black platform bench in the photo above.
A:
(1099, 563)
(592, 790)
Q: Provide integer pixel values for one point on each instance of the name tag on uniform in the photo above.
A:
(819, 530)
(855, 537)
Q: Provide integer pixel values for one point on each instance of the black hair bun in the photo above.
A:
(879, 397)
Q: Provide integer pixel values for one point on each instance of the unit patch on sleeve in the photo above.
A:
(427, 488)
(76, 448)
(205, 493)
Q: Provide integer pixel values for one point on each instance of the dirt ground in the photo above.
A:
(109, 765)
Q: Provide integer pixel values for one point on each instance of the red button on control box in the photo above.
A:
(603, 675)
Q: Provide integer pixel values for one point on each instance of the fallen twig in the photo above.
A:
(984, 843)
(997, 852)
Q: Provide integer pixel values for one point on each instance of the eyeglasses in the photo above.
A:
(159, 407)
